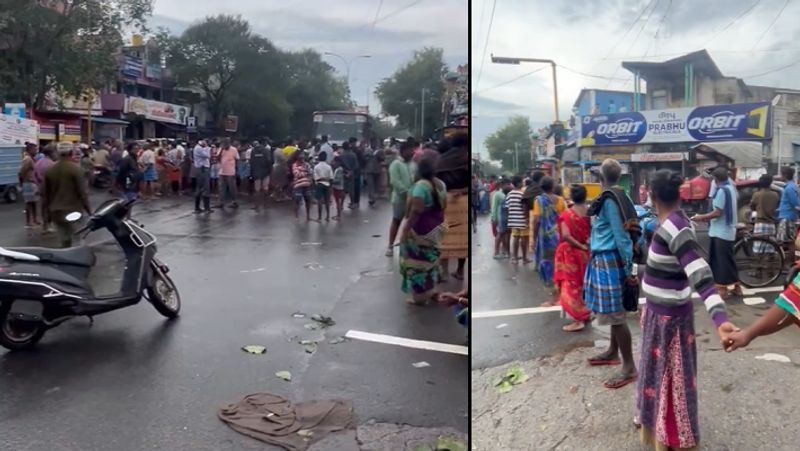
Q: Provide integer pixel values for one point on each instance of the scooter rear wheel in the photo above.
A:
(18, 335)
(164, 296)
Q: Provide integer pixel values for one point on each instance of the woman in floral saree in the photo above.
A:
(547, 206)
(422, 232)
(572, 256)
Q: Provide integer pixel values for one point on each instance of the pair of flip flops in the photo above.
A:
(617, 381)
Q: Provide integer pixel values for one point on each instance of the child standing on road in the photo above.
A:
(518, 221)
(498, 199)
(503, 232)
(323, 176)
(338, 186)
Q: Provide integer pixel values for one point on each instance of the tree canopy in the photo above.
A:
(516, 134)
(69, 48)
(273, 92)
(401, 94)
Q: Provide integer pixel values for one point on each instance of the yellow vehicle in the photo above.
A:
(592, 190)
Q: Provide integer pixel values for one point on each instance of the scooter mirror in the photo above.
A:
(73, 217)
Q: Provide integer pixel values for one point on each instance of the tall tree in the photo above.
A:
(210, 56)
(401, 94)
(313, 86)
(514, 137)
(273, 92)
(68, 47)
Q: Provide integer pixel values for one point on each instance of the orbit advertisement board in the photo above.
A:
(736, 122)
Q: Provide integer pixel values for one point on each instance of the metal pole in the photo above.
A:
(780, 150)
(415, 117)
(89, 120)
(555, 89)
(422, 116)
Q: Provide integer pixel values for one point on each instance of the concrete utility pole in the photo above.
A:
(517, 61)
(422, 115)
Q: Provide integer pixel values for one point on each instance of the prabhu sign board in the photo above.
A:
(741, 121)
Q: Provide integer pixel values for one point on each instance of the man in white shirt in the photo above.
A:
(323, 176)
(325, 147)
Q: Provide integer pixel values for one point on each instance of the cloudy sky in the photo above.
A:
(343, 27)
(745, 37)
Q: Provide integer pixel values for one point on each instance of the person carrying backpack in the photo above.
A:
(610, 269)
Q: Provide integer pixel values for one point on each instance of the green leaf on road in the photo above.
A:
(310, 349)
(450, 444)
(337, 340)
(311, 326)
(254, 349)
(285, 375)
(307, 342)
(514, 376)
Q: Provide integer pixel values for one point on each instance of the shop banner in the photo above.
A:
(157, 111)
(659, 157)
(16, 131)
(741, 121)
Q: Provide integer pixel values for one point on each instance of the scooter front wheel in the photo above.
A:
(16, 335)
(164, 296)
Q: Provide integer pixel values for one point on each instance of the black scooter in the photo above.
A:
(40, 287)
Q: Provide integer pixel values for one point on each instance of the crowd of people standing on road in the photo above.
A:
(594, 254)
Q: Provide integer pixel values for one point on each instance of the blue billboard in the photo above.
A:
(737, 122)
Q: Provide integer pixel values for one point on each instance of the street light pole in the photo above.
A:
(347, 63)
(517, 61)
(422, 115)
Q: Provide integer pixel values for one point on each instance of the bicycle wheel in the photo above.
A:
(759, 261)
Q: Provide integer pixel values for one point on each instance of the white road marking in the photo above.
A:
(752, 291)
(774, 357)
(407, 342)
(515, 311)
(754, 301)
(557, 308)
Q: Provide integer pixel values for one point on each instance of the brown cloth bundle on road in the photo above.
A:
(274, 420)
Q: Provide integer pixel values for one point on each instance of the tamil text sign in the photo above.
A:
(15, 130)
(157, 111)
(742, 121)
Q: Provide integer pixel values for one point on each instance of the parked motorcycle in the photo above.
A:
(41, 288)
(102, 177)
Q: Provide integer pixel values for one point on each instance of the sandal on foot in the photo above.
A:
(620, 380)
(573, 327)
(599, 361)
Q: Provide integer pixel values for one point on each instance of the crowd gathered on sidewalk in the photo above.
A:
(589, 252)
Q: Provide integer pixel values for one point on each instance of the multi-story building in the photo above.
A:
(694, 80)
(142, 95)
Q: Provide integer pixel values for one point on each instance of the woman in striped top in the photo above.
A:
(666, 398)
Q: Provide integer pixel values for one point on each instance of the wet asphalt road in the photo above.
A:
(499, 285)
(134, 381)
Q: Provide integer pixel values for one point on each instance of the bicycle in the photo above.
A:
(759, 259)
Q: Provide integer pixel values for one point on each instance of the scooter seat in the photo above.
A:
(78, 256)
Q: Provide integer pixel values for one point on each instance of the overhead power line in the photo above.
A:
(785, 4)
(377, 14)
(585, 74)
(511, 81)
(397, 11)
(735, 19)
(777, 69)
(486, 43)
(633, 42)
(628, 30)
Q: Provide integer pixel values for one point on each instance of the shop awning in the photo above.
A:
(745, 154)
(109, 120)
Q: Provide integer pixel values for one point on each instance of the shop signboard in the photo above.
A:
(736, 122)
(191, 124)
(157, 111)
(153, 72)
(658, 157)
(14, 109)
(16, 131)
(132, 66)
(231, 123)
